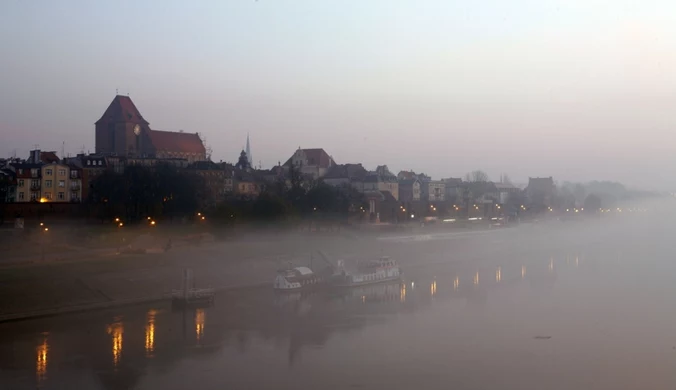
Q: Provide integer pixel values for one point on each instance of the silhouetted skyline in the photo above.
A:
(574, 90)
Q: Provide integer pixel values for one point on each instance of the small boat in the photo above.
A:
(189, 296)
(298, 278)
(195, 297)
(376, 271)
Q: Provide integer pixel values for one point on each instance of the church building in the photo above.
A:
(122, 131)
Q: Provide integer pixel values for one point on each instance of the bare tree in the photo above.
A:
(477, 176)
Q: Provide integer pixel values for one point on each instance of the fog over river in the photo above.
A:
(586, 304)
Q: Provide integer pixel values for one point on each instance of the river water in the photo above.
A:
(538, 308)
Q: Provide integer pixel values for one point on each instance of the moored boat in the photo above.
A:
(298, 278)
(381, 270)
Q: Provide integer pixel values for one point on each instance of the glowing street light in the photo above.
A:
(152, 223)
(120, 224)
(117, 219)
(46, 229)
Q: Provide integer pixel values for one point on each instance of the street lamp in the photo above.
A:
(42, 242)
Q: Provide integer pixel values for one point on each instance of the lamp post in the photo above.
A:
(43, 238)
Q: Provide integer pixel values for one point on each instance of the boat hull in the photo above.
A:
(342, 284)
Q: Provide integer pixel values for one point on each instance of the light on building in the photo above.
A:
(120, 224)
(117, 219)
(46, 229)
(198, 214)
(43, 200)
(42, 224)
(152, 223)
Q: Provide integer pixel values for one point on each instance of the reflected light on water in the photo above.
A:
(551, 264)
(199, 324)
(41, 360)
(476, 278)
(523, 271)
(433, 288)
(456, 283)
(402, 293)
(577, 261)
(498, 274)
(116, 330)
(150, 333)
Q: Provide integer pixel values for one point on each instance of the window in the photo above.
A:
(62, 183)
(62, 172)
(100, 162)
(34, 172)
(35, 184)
(34, 196)
(48, 195)
(60, 196)
(21, 195)
(48, 172)
(73, 174)
(89, 162)
(48, 183)
(20, 171)
(73, 195)
(21, 183)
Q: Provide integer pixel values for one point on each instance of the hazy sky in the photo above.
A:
(575, 89)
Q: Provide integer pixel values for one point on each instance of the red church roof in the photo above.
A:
(177, 142)
(122, 109)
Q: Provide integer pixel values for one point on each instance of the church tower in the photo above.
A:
(122, 131)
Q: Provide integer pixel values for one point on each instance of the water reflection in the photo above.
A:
(257, 314)
(199, 324)
(116, 331)
(150, 333)
(41, 360)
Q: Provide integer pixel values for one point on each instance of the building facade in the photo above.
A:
(28, 182)
(409, 190)
(433, 191)
(313, 162)
(56, 184)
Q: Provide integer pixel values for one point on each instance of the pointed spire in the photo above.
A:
(248, 149)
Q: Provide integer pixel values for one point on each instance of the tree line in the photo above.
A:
(167, 192)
